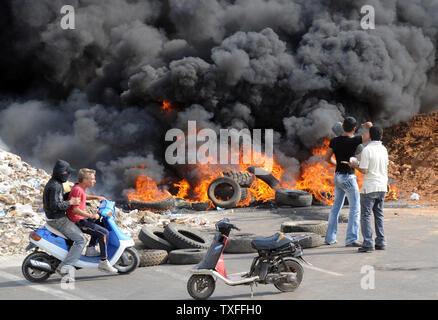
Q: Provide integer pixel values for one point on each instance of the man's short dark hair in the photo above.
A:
(376, 133)
(349, 124)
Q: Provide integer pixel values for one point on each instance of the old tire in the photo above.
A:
(293, 197)
(265, 176)
(186, 238)
(224, 183)
(200, 206)
(244, 179)
(312, 241)
(187, 256)
(315, 226)
(153, 238)
(240, 243)
(151, 257)
(160, 205)
(201, 287)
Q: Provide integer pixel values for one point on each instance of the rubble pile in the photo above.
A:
(413, 153)
(21, 192)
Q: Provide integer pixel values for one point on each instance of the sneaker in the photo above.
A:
(365, 249)
(330, 243)
(92, 252)
(354, 244)
(105, 266)
(380, 247)
(62, 271)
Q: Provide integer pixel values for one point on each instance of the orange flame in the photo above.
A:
(166, 107)
(317, 177)
(146, 190)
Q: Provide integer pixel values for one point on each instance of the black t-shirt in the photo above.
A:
(344, 148)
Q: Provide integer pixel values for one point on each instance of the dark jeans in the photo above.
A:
(98, 234)
(372, 203)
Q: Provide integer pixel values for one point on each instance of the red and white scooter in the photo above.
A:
(277, 263)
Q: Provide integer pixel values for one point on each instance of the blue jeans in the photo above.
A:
(345, 184)
(372, 203)
(98, 234)
(71, 231)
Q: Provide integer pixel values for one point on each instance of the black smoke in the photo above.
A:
(92, 95)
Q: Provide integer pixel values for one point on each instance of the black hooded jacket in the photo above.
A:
(53, 196)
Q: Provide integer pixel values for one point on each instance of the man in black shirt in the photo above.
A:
(344, 147)
(55, 208)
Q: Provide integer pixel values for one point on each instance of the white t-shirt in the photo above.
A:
(374, 157)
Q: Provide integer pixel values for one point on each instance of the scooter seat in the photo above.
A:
(53, 230)
(273, 242)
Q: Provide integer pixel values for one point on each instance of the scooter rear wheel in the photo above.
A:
(201, 286)
(32, 274)
(297, 269)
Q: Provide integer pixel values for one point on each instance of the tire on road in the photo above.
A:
(153, 238)
(240, 243)
(314, 240)
(184, 237)
(186, 256)
(234, 198)
(315, 226)
(200, 206)
(160, 205)
(265, 176)
(293, 197)
(244, 179)
(151, 257)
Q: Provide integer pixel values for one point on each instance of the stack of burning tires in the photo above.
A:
(231, 189)
(174, 244)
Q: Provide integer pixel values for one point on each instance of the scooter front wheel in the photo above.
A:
(129, 261)
(201, 286)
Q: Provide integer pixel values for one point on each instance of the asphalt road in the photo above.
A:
(406, 270)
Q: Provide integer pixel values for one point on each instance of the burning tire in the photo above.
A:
(186, 238)
(315, 226)
(293, 197)
(153, 238)
(221, 185)
(265, 176)
(160, 205)
(151, 257)
(187, 256)
(313, 240)
(240, 243)
(244, 179)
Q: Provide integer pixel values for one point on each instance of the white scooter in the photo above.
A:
(39, 265)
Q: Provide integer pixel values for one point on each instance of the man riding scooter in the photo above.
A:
(55, 209)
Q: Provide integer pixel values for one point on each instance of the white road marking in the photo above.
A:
(322, 270)
(38, 287)
(174, 275)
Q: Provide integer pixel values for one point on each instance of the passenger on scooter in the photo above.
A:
(55, 209)
(86, 222)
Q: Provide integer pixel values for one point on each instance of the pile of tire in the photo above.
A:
(315, 229)
(231, 189)
(180, 244)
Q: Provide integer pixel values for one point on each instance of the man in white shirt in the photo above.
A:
(374, 164)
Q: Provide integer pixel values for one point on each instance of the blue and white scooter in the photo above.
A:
(39, 265)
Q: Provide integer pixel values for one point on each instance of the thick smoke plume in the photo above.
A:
(92, 95)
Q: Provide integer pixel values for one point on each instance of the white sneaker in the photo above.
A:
(92, 252)
(106, 267)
